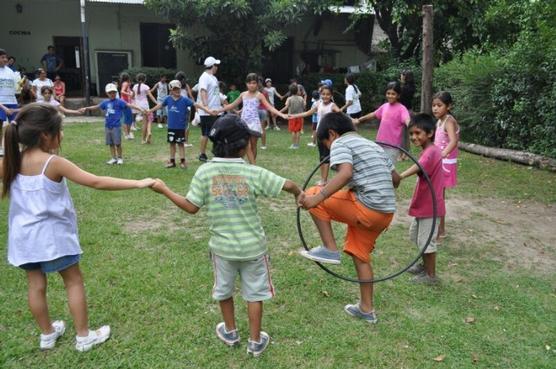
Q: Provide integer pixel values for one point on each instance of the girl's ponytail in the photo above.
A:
(12, 158)
(33, 122)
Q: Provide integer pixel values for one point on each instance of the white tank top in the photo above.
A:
(322, 110)
(42, 224)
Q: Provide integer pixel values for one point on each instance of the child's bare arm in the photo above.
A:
(414, 169)
(343, 176)
(155, 108)
(293, 188)
(61, 167)
(92, 107)
(396, 179)
(180, 201)
(450, 127)
(286, 105)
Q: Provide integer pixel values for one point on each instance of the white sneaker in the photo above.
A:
(131, 136)
(276, 128)
(160, 125)
(48, 341)
(112, 161)
(310, 144)
(120, 161)
(94, 338)
(263, 147)
(187, 145)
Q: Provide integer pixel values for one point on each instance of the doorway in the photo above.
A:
(72, 73)
(156, 48)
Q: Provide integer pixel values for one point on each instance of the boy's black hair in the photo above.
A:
(3, 52)
(423, 121)
(337, 122)
(315, 94)
(230, 135)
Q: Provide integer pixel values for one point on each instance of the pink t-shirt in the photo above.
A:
(141, 96)
(421, 203)
(392, 119)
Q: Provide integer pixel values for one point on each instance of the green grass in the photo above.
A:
(148, 275)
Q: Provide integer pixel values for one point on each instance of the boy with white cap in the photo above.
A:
(209, 96)
(113, 110)
(178, 114)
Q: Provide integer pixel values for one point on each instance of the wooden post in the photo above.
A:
(427, 64)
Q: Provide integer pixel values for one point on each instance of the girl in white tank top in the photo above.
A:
(42, 224)
(324, 106)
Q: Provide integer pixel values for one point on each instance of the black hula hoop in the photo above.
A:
(421, 252)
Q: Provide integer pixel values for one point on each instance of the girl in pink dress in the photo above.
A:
(446, 138)
(393, 118)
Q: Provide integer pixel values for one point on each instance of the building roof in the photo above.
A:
(132, 2)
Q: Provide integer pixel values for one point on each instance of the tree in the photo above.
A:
(234, 30)
(458, 25)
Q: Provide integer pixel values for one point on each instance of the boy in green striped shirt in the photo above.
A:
(228, 186)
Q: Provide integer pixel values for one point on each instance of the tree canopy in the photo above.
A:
(234, 30)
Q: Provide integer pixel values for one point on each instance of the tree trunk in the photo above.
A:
(520, 157)
(426, 81)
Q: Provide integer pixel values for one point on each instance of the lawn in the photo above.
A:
(148, 275)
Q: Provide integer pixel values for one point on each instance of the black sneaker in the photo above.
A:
(203, 157)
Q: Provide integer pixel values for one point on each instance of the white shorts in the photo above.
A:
(256, 284)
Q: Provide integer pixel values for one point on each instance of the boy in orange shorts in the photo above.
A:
(367, 206)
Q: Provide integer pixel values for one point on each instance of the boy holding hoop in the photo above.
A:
(367, 207)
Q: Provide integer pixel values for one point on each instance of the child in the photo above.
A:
(251, 100)
(140, 92)
(446, 138)
(367, 207)
(229, 188)
(127, 95)
(263, 114)
(353, 94)
(421, 132)
(393, 117)
(315, 97)
(232, 94)
(47, 93)
(178, 118)
(186, 91)
(324, 106)
(37, 84)
(113, 108)
(271, 91)
(42, 224)
(59, 90)
(8, 102)
(161, 88)
(294, 105)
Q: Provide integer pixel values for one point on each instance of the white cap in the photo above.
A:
(210, 61)
(267, 80)
(110, 87)
(174, 84)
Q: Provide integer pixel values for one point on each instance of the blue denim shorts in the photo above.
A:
(51, 266)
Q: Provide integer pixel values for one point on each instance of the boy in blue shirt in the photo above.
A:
(113, 110)
(178, 114)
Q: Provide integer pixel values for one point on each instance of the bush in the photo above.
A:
(153, 74)
(506, 100)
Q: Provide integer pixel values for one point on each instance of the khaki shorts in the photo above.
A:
(256, 284)
(419, 232)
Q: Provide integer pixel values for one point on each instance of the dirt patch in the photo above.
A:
(520, 234)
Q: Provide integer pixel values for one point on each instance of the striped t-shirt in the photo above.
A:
(372, 179)
(229, 187)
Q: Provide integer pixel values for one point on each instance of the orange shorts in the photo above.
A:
(363, 224)
(295, 124)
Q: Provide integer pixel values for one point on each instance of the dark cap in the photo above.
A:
(229, 128)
